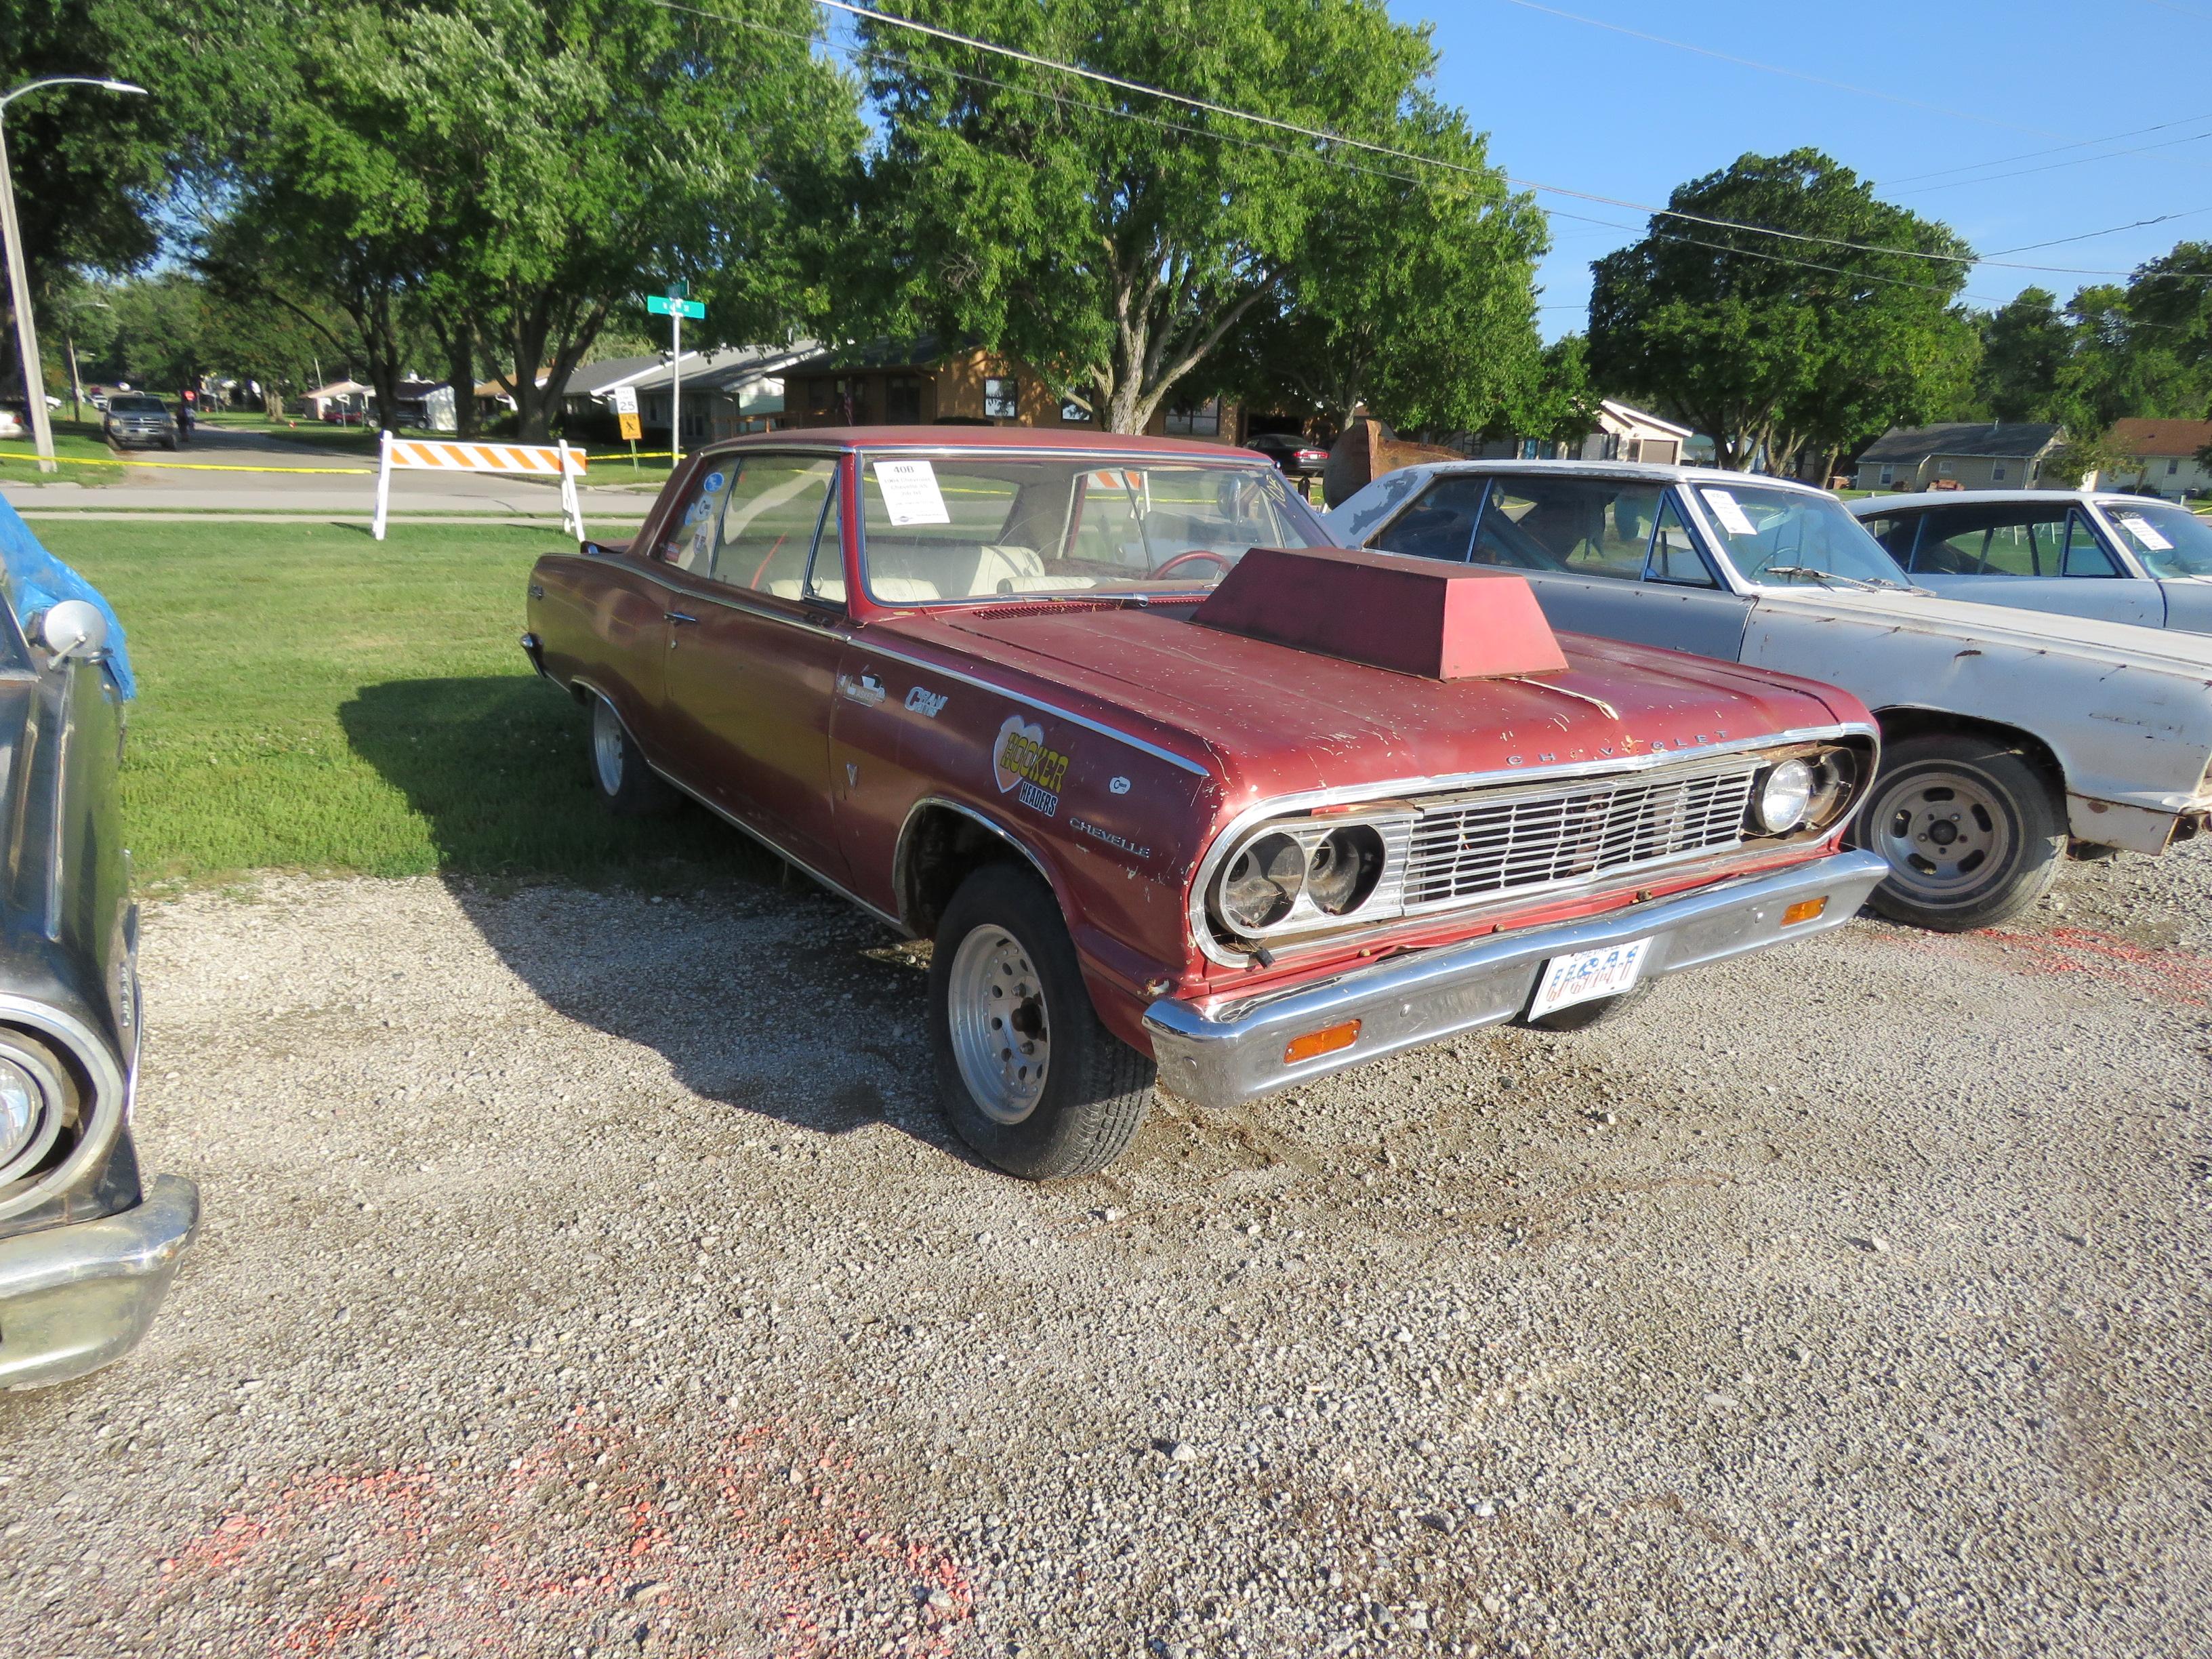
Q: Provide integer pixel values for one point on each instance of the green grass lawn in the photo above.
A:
(309, 699)
(73, 440)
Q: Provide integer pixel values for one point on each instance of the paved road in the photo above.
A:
(590, 1273)
(159, 480)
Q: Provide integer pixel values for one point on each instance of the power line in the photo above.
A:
(2052, 167)
(2032, 155)
(2186, 213)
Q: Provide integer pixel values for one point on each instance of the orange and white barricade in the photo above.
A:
(439, 455)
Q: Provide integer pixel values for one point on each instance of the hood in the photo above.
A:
(1281, 720)
(2104, 643)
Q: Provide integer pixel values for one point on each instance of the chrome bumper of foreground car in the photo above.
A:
(1228, 1050)
(77, 1296)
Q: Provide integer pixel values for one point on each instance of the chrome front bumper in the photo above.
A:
(1227, 1050)
(77, 1296)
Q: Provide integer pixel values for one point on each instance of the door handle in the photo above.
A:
(679, 616)
(867, 689)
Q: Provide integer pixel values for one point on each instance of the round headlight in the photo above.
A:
(22, 1113)
(1345, 866)
(1263, 882)
(1783, 795)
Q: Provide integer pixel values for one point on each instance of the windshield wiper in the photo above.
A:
(1822, 576)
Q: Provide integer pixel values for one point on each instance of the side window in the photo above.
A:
(2085, 554)
(1895, 533)
(825, 574)
(1966, 541)
(1439, 524)
(689, 544)
(1674, 555)
(1577, 526)
(768, 520)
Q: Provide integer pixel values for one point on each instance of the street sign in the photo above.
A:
(662, 305)
(626, 412)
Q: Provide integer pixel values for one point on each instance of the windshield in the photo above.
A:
(135, 406)
(1789, 537)
(2170, 541)
(951, 527)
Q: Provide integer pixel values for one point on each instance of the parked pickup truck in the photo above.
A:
(2004, 733)
(1171, 783)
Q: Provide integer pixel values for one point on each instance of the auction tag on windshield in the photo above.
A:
(1588, 973)
(1730, 515)
(910, 492)
(2146, 533)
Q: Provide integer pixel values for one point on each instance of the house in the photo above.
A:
(2166, 459)
(336, 401)
(724, 393)
(426, 405)
(1959, 455)
(592, 386)
(1617, 432)
(924, 381)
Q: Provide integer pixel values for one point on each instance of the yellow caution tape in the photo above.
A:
(186, 466)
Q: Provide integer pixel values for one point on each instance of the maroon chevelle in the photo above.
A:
(1172, 784)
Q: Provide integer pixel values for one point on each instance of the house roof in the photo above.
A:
(730, 368)
(2005, 440)
(597, 380)
(1633, 415)
(336, 389)
(2163, 438)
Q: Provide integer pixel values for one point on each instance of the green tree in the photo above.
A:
(2096, 450)
(2025, 348)
(1057, 219)
(1775, 347)
(1557, 403)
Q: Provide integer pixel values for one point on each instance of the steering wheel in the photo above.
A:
(1166, 565)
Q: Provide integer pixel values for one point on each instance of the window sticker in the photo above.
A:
(2145, 533)
(1730, 515)
(910, 492)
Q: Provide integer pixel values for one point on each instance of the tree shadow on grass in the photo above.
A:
(760, 989)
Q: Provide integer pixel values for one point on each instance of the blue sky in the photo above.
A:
(1573, 105)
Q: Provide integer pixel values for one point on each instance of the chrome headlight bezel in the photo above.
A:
(1782, 796)
(47, 1099)
(1375, 837)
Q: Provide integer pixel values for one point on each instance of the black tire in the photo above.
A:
(1989, 800)
(630, 788)
(1581, 1016)
(1095, 1088)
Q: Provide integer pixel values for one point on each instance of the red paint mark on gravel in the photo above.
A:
(2182, 977)
(756, 1540)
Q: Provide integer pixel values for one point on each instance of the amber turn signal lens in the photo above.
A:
(1328, 1041)
(1804, 910)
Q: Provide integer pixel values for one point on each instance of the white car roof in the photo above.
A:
(1647, 470)
(1969, 497)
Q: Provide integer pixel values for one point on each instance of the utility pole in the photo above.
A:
(18, 281)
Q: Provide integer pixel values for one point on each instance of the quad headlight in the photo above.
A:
(1785, 794)
(1807, 792)
(30, 1112)
(1262, 882)
(1303, 875)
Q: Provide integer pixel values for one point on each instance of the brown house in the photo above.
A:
(924, 382)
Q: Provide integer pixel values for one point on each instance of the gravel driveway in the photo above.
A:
(590, 1274)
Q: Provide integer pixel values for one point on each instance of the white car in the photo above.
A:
(2005, 732)
(2080, 552)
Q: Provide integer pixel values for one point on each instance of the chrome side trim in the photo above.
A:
(905, 842)
(1417, 788)
(110, 1097)
(860, 642)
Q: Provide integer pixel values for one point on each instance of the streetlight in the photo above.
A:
(19, 282)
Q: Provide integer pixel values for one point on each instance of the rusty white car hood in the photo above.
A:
(2104, 643)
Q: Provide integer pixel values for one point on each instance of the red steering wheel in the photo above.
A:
(1166, 565)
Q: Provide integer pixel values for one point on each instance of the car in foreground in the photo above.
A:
(139, 421)
(1169, 782)
(2119, 557)
(88, 1246)
(1298, 457)
(2004, 733)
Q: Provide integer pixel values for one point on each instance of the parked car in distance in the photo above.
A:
(2115, 555)
(1169, 782)
(139, 419)
(2003, 732)
(1298, 457)
(88, 1247)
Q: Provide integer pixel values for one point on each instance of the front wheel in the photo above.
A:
(628, 785)
(1026, 1073)
(1971, 832)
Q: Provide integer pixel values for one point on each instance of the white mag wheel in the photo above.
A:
(608, 741)
(1000, 1028)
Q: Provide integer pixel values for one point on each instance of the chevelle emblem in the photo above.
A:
(1021, 762)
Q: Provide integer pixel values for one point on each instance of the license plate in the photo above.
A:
(1586, 974)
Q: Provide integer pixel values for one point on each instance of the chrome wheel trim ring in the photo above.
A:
(1001, 1032)
(607, 746)
(1944, 833)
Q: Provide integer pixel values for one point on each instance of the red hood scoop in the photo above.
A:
(1440, 622)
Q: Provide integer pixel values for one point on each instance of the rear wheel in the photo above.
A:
(1026, 1073)
(1971, 832)
(627, 784)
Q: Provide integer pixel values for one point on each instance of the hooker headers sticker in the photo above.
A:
(1024, 764)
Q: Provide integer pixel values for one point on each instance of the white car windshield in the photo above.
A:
(1788, 537)
(2170, 541)
(970, 527)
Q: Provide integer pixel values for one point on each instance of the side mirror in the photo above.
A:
(70, 627)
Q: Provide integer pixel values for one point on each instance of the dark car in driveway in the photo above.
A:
(139, 420)
(1298, 457)
(88, 1245)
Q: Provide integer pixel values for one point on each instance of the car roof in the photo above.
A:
(1651, 471)
(1967, 497)
(984, 437)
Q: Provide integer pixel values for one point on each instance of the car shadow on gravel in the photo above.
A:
(761, 990)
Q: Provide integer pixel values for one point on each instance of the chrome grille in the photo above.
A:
(1500, 843)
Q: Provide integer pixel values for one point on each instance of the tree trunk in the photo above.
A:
(459, 340)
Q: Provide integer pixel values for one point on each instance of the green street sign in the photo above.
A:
(662, 305)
